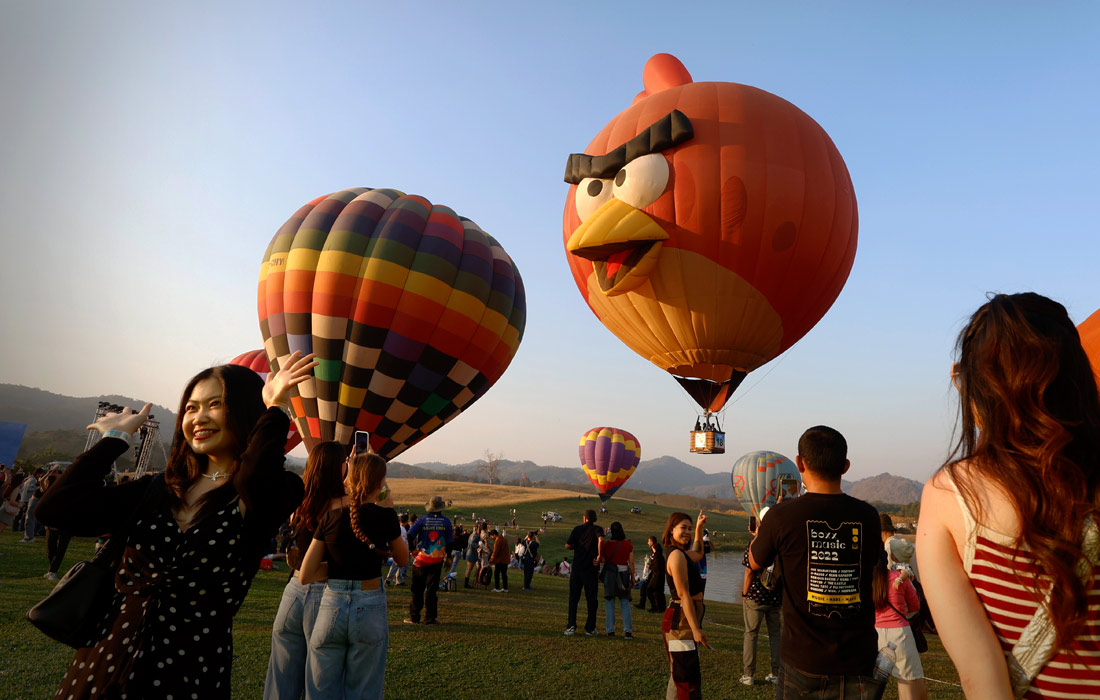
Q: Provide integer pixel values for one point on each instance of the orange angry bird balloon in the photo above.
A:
(709, 226)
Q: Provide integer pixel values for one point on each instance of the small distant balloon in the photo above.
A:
(256, 360)
(759, 478)
(609, 457)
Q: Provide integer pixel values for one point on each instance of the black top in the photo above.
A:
(695, 579)
(531, 551)
(348, 556)
(176, 590)
(585, 540)
(827, 545)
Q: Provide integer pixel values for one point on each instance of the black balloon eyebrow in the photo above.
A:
(670, 130)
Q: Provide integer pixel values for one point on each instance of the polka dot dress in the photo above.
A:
(169, 631)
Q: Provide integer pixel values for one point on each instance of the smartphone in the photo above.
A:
(752, 524)
(383, 494)
(789, 487)
(362, 442)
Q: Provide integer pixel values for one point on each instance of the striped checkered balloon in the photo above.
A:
(609, 457)
(256, 360)
(413, 313)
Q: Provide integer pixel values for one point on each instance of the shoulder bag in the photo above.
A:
(915, 626)
(74, 608)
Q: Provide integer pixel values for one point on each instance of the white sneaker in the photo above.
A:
(746, 680)
(772, 678)
(496, 590)
(570, 631)
(50, 576)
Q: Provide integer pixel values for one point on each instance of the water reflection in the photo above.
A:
(725, 576)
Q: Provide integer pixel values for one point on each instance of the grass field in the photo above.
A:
(491, 645)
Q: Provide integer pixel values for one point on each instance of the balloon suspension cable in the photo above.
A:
(746, 392)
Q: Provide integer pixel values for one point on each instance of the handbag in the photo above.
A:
(73, 610)
(915, 628)
(624, 584)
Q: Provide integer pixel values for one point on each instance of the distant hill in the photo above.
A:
(887, 488)
(57, 422)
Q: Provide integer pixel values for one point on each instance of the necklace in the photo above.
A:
(215, 476)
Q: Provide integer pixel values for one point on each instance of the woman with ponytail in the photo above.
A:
(1008, 541)
(347, 648)
(324, 486)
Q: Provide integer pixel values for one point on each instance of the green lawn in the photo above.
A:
(491, 645)
(728, 532)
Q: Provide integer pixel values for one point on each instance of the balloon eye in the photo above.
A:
(641, 181)
(591, 194)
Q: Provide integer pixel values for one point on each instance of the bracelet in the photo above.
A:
(285, 410)
(121, 435)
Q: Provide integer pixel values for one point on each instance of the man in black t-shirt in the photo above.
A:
(826, 543)
(585, 543)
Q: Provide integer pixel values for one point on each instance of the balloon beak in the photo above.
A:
(623, 244)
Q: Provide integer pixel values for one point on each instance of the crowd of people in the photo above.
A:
(1006, 559)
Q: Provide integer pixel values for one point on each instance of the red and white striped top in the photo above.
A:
(1004, 577)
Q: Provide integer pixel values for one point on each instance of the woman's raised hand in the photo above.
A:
(127, 421)
(295, 369)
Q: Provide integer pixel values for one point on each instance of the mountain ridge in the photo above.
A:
(58, 421)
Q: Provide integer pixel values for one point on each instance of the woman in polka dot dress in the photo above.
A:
(192, 553)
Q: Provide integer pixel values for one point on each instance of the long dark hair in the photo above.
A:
(242, 394)
(324, 481)
(1030, 424)
(365, 475)
(880, 584)
(673, 520)
(617, 532)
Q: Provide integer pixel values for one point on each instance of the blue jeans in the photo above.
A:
(347, 650)
(30, 525)
(799, 684)
(286, 670)
(609, 614)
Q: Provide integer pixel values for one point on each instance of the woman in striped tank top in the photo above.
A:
(1007, 541)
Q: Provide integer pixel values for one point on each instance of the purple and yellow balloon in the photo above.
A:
(609, 457)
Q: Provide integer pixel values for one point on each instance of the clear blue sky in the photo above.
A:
(148, 152)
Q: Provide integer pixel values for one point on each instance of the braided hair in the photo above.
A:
(365, 475)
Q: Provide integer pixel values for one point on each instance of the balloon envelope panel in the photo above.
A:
(256, 360)
(413, 313)
(609, 457)
(1090, 339)
(758, 477)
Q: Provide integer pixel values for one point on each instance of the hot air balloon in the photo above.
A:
(1090, 340)
(760, 477)
(413, 313)
(709, 226)
(609, 456)
(256, 360)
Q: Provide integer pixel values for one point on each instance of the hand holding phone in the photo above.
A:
(362, 442)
